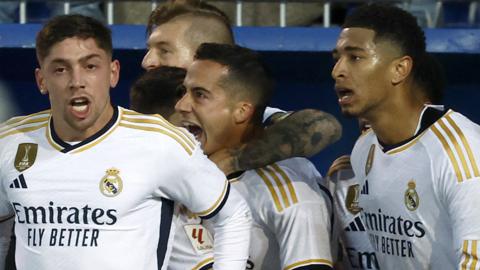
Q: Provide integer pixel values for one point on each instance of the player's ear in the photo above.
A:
(243, 112)
(401, 69)
(114, 73)
(40, 81)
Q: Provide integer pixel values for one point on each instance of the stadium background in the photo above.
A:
(300, 60)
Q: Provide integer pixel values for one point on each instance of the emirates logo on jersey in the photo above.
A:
(111, 184)
(412, 200)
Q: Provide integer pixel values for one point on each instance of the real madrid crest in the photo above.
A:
(371, 155)
(411, 196)
(26, 155)
(111, 184)
(351, 201)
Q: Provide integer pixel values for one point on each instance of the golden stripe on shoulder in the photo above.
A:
(469, 257)
(457, 147)
(156, 123)
(279, 185)
(23, 124)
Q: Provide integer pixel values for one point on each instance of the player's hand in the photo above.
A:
(341, 163)
(226, 160)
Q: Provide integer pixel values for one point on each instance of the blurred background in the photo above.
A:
(295, 38)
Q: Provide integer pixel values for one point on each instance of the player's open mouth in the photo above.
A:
(344, 95)
(80, 106)
(196, 130)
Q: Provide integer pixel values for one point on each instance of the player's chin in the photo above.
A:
(347, 111)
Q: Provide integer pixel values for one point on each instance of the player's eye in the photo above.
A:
(60, 70)
(91, 66)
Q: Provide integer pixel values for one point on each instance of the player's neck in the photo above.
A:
(245, 134)
(252, 132)
(398, 123)
(68, 132)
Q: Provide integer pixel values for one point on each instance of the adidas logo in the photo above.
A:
(365, 188)
(356, 225)
(19, 182)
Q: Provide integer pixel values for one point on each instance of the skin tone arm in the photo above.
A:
(303, 133)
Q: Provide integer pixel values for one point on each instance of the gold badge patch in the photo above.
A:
(371, 155)
(412, 200)
(111, 184)
(351, 202)
(26, 155)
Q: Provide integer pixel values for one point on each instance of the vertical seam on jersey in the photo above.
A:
(290, 187)
(307, 262)
(267, 182)
(172, 129)
(449, 153)
(187, 149)
(203, 263)
(459, 151)
(279, 184)
(22, 130)
(466, 145)
(466, 255)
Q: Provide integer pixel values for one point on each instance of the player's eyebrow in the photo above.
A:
(348, 49)
(60, 60)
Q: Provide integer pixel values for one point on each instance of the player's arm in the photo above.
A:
(465, 217)
(462, 203)
(205, 191)
(232, 225)
(302, 133)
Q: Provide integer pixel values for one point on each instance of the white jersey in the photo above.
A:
(291, 216)
(287, 207)
(421, 199)
(106, 202)
(357, 251)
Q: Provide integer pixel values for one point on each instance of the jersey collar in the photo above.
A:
(66, 147)
(429, 115)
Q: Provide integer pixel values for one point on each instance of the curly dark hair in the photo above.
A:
(401, 28)
(69, 26)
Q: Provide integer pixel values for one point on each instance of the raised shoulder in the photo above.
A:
(24, 124)
(459, 139)
(157, 124)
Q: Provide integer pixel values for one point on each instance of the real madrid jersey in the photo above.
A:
(291, 216)
(291, 221)
(357, 251)
(106, 202)
(420, 198)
